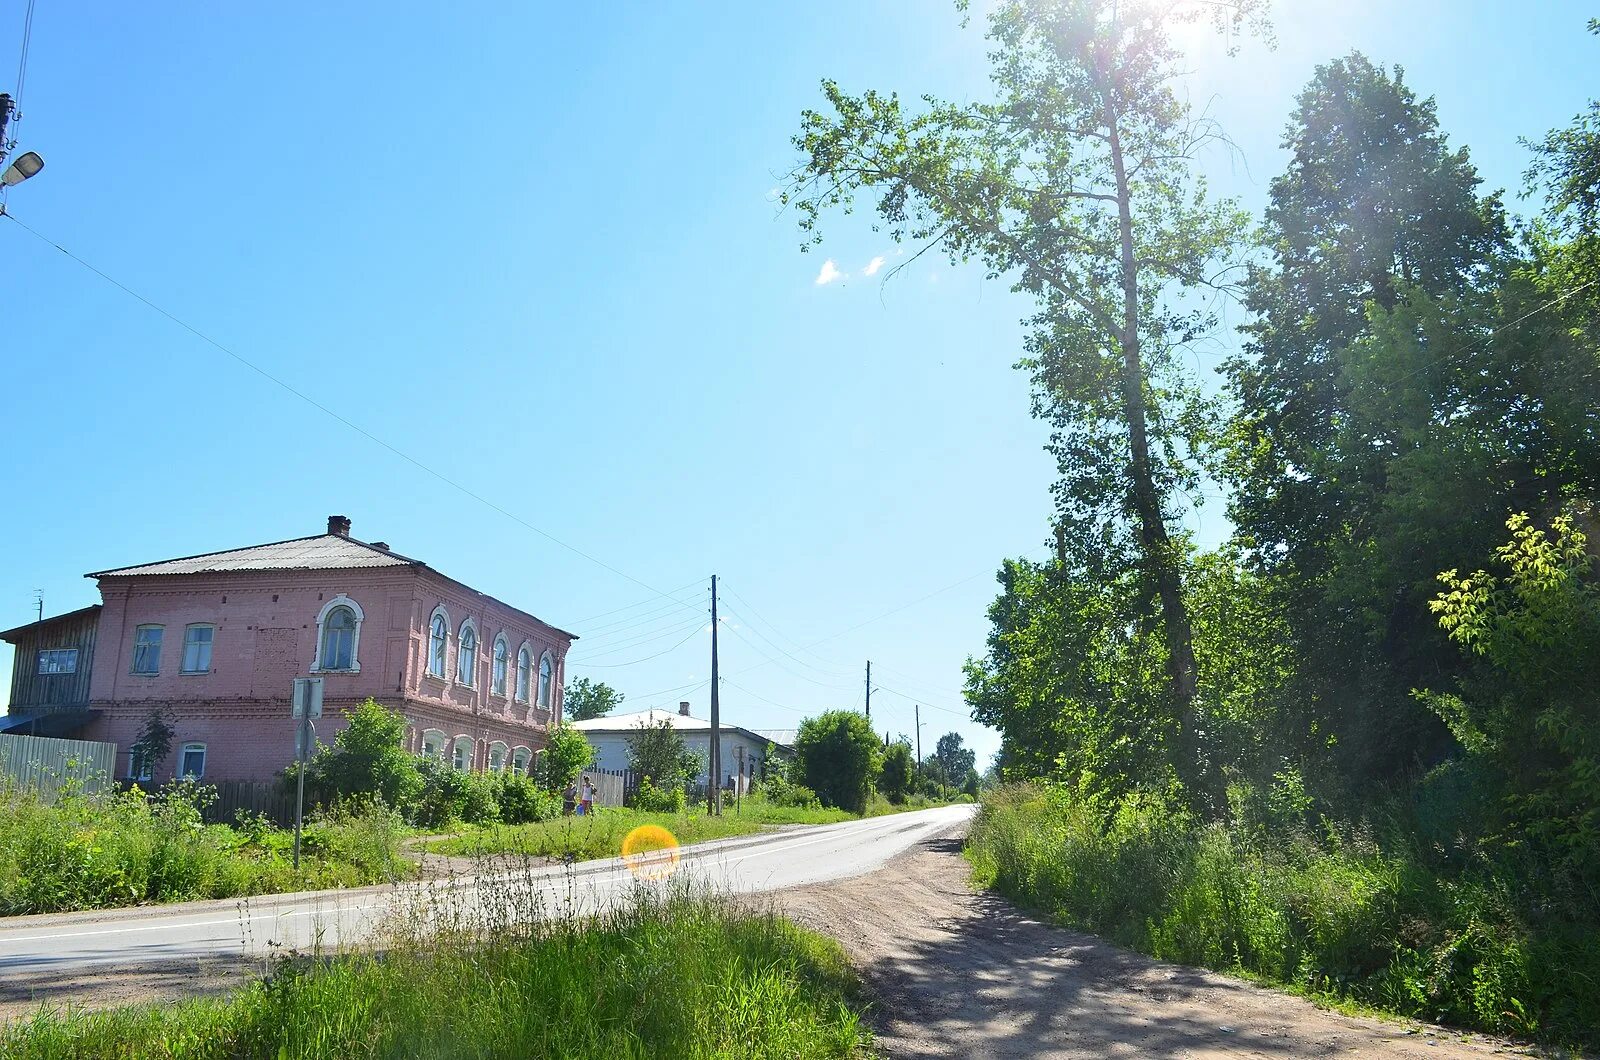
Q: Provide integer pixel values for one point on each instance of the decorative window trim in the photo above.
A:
(526, 768)
(183, 755)
(183, 659)
(161, 642)
(438, 739)
(355, 640)
(472, 752)
(461, 640)
(503, 750)
(443, 673)
(499, 664)
(525, 695)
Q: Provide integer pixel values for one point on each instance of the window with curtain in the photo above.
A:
(524, 673)
(438, 634)
(501, 658)
(545, 671)
(147, 650)
(338, 640)
(197, 649)
(467, 654)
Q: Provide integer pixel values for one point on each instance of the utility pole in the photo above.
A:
(714, 766)
(917, 714)
(869, 689)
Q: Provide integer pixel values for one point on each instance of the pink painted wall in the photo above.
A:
(266, 635)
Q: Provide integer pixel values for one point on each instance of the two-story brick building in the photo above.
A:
(216, 641)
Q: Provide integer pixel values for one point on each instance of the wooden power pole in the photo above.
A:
(869, 689)
(714, 766)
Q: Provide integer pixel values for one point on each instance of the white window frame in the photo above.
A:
(499, 756)
(439, 615)
(40, 671)
(547, 678)
(434, 742)
(524, 689)
(139, 765)
(355, 637)
(183, 662)
(525, 768)
(463, 740)
(500, 659)
(183, 758)
(467, 625)
(161, 638)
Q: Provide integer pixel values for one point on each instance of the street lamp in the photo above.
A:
(25, 166)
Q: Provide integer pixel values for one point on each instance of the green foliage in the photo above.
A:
(154, 743)
(126, 848)
(678, 978)
(951, 762)
(368, 757)
(1530, 714)
(782, 791)
(584, 699)
(651, 799)
(894, 782)
(659, 753)
(450, 795)
(1362, 914)
(521, 800)
(839, 757)
(567, 755)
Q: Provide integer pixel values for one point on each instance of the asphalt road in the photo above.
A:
(39, 949)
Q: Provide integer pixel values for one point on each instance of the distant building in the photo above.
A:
(216, 640)
(743, 750)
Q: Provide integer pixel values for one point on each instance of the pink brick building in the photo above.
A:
(216, 640)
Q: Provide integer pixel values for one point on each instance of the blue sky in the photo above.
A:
(535, 249)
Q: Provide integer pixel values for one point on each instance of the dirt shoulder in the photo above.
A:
(961, 973)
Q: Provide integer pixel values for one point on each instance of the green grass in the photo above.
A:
(95, 852)
(600, 834)
(1357, 914)
(673, 978)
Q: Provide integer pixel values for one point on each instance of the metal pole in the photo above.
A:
(869, 688)
(300, 783)
(714, 767)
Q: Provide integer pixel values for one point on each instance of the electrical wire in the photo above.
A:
(22, 62)
(641, 603)
(314, 403)
(647, 658)
(640, 641)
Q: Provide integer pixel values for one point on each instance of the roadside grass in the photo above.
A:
(121, 848)
(1352, 915)
(600, 834)
(673, 976)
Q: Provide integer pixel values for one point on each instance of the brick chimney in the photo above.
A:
(683, 708)
(339, 525)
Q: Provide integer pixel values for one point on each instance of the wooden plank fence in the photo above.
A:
(264, 797)
(41, 765)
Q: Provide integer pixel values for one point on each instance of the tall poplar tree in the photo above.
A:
(1076, 183)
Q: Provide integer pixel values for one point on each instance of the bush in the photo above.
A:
(450, 795)
(779, 790)
(652, 799)
(895, 780)
(522, 801)
(839, 757)
(368, 757)
(567, 755)
(658, 752)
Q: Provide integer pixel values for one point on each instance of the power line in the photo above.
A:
(636, 662)
(642, 639)
(641, 603)
(27, 42)
(314, 403)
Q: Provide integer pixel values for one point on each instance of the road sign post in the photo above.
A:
(307, 700)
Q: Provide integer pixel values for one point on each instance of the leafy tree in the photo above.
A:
(658, 751)
(839, 758)
(584, 699)
(368, 757)
(154, 743)
(567, 755)
(1075, 183)
(894, 782)
(1531, 711)
(951, 761)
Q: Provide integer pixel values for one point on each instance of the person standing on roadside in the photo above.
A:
(586, 807)
(569, 799)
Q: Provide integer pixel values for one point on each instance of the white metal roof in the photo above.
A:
(324, 552)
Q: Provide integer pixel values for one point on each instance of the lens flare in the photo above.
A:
(650, 852)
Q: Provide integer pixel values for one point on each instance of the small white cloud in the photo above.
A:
(829, 273)
(873, 266)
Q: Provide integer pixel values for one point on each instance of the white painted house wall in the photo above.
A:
(609, 737)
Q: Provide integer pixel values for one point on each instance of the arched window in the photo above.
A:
(497, 756)
(338, 636)
(497, 680)
(462, 756)
(438, 634)
(546, 668)
(467, 654)
(519, 761)
(524, 672)
(433, 741)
